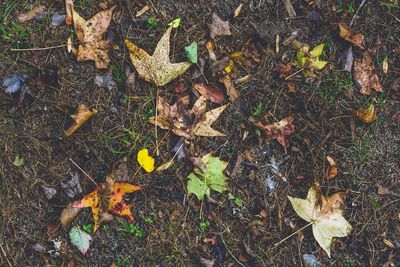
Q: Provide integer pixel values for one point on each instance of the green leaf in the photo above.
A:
(318, 64)
(201, 181)
(18, 162)
(175, 24)
(300, 60)
(191, 52)
(317, 51)
(236, 200)
(80, 239)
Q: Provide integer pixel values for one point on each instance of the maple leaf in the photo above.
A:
(184, 122)
(108, 197)
(365, 74)
(82, 114)
(156, 68)
(278, 130)
(90, 34)
(325, 214)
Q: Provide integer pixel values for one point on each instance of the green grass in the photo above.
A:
(126, 229)
(360, 151)
(331, 87)
(390, 4)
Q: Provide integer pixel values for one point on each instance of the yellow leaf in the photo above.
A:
(367, 115)
(145, 161)
(319, 64)
(317, 51)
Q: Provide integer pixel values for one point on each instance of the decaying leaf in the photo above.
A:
(37, 12)
(211, 92)
(368, 114)
(278, 130)
(72, 187)
(68, 215)
(108, 197)
(349, 35)
(325, 213)
(231, 91)
(206, 176)
(331, 173)
(82, 114)
(184, 122)
(80, 239)
(68, 8)
(365, 74)
(218, 27)
(348, 59)
(145, 160)
(90, 34)
(156, 68)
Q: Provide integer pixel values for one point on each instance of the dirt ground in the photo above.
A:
(171, 225)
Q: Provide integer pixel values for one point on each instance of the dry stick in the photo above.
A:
(358, 10)
(155, 126)
(176, 153)
(87, 175)
(289, 236)
(230, 253)
(5, 256)
(291, 75)
(37, 48)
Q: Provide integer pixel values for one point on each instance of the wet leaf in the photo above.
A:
(368, 114)
(157, 68)
(82, 114)
(80, 239)
(209, 176)
(278, 130)
(191, 52)
(349, 35)
(37, 12)
(211, 92)
(218, 27)
(145, 160)
(325, 213)
(90, 34)
(365, 75)
(108, 198)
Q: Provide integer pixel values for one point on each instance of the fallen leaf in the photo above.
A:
(142, 11)
(191, 52)
(184, 122)
(70, 48)
(175, 23)
(80, 239)
(349, 35)
(68, 7)
(105, 81)
(278, 130)
(237, 11)
(165, 166)
(349, 59)
(310, 261)
(145, 160)
(218, 27)
(49, 192)
(52, 230)
(309, 60)
(325, 213)
(284, 69)
(210, 50)
(385, 65)
(231, 91)
(157, 68)
(331, 161)
(37, 12)
(330, 173)
(368, 114)
(72, 187)
(365, 75)
(387, 191)
(208, 176)
(90, 34)
(389, 243)
(14, 83)
(18, 161)
(108, 197)
(211, 92)
(82, 114)
(68, 214)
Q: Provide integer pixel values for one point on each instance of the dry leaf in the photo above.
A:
(68, 6)
(331, 161)
(349, 35)
(69, 45)
(385, 66)
(90, 34)
(68, 215)
(184, 122)
(348, 63)
(231, 91)
(278, 130)
(218, 26)
(237, 11)
(210, 50)
(325, 213)
(37, 12)
(157, 68)
(368, 114)
(365, 75)
(142, 11)
(289, 8)
(211, 92)
(165, 166)
(82, 114)
(330, 173)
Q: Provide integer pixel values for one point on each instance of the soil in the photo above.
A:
(172, 227)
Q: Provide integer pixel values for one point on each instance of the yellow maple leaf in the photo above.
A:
(145, 160)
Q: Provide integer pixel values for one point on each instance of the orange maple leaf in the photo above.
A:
(108, 197)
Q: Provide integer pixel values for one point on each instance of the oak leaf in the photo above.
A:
(365, 74)
(90, 34)
(82, 114)
(108, 197)
(325, 214)
(184, 122)
(156, 68)
(349, 35)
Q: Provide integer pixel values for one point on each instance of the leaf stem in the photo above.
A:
(289, 236)
(87, 175)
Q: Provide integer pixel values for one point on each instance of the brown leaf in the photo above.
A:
(278, 130)
(203, 125)
(365, 74)
(231, 91)
(349, 35)
(90, 34)
(284, 69)
(368, 114)
(218, 26)
(37, 12)
(142, 11)
(211, 92)
(52, 230)
(81, 115)
(330, 173)
(68, 215)
(68, 7)
(237, 11)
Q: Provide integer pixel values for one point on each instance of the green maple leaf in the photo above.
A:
(210, 176)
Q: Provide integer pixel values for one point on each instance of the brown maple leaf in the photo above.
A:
(82, 114)
(365, 74)
(349, 35)
(278, 130)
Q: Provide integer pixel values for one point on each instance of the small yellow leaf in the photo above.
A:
(317, 51)
(385, 66)
(319, 64)
(367, 115)
(145, 161)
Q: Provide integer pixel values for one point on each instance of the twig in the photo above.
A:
(230, 253)
(176, 153)
(37, 48)
(87, 175)
(289, 236)
(358, 10)
(5, 256)
(291, 75)
(155, 125)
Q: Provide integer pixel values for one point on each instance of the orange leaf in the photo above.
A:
(91, 200)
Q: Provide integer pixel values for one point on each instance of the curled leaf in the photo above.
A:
(82, 114)
(231, 91)
(145, 160)
(68, 215)
(368, 114)
(349, 35)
